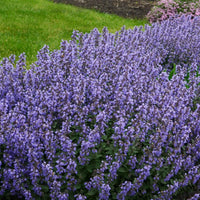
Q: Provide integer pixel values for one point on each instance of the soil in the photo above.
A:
(136, 9)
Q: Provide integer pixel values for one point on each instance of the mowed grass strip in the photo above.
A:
(27, 25)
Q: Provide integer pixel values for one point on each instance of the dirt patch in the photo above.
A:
(125, 8)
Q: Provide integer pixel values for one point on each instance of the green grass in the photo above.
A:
(27, 25)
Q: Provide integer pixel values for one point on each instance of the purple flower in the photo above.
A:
(104, 112)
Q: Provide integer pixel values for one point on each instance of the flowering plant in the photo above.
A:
(107, 116)
(171, 8)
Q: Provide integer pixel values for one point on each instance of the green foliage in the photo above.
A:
(187, 192)
(8, 196)
(56, 125)
(172, 72)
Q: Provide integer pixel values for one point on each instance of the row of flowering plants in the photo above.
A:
(107, 116)
(165, 9)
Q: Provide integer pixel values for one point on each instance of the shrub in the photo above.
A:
(173, 8)
(108, 116)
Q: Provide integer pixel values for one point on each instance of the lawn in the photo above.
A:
(26, 26)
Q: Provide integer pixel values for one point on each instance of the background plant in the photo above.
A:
(170, 8)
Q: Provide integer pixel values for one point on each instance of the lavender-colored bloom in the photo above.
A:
(102, 106)
(126, 187)
(105, 192)
(195, 197)
(80, 197)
